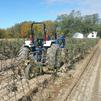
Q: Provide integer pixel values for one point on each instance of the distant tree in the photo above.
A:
(74, 22)
(2, 33)
(50, 27)
(24, 28)
(65, 23)
(70, 23)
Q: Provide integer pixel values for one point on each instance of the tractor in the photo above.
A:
(39, 52)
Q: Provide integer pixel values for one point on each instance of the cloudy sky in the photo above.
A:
(15, 11)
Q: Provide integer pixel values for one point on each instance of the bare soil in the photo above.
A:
(73, 85)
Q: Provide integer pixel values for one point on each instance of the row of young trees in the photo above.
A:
(65, 23)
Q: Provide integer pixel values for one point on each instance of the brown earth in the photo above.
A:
(81, 83)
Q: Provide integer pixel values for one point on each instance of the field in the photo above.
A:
(15, 87)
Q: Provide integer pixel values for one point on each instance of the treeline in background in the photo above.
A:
(65, 23)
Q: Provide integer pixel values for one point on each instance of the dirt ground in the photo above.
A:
(81, 83)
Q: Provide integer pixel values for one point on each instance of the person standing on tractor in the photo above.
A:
(62, 37)
(48, 37)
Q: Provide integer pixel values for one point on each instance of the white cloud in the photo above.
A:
(55, 1)
(85, 6)
(90, 6)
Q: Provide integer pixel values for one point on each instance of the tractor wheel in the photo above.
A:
(54, 56)
(19, 61)
(31, 71)
(23, 53)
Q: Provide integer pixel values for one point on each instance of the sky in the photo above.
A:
(16, 11)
